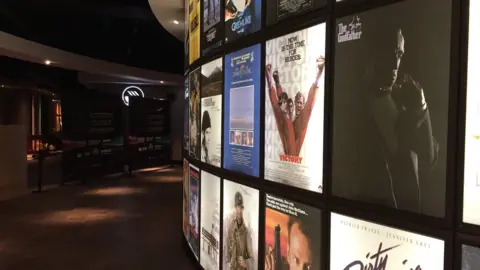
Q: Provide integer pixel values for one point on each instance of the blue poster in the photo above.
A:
(242, 111)
(242, 17)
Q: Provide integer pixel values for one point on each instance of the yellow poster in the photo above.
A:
(194, 30)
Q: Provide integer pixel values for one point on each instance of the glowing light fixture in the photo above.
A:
(47, 62)
(175, 22)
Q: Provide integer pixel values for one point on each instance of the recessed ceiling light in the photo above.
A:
(161, 81)
(175, 22)
(47, 62)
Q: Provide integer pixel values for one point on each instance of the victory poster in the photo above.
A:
(294, 106)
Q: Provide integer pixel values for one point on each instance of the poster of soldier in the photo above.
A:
(210, 221)
(240, 227)
(292, 235)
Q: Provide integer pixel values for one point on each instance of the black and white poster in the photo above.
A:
(356, 244)
(471, 181)
(211, 93)
(391, 89)
(212, 28)
(278, 10)
(194, 112)
(294, 106)
(194, 209)
(210, 222)
(240, 226)
(470, 257)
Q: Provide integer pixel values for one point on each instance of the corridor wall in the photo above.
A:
(333, 135)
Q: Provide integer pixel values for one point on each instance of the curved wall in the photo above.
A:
(323, 134)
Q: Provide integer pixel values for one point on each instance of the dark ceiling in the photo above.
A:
(120, 31)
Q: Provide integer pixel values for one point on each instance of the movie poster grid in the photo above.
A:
(470, 257)
(186, 193)
(242, 17)
(212, 27)
(294, 108)
(471, 193)
(358, 244)
(242, 111)
(194, 204)
(292, 235)
(240, 226)
(194, 30)
(186, 117)
(210, 221)
(391, 93)
(278, 10)
(194, 113)
(211, 93)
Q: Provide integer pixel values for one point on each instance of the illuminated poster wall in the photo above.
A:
(278, 10)
(194, 30)
(242, 18)
(471, 194)
(194, 204)
(292, 235)
(186, 193)
(356, 244)
(212, 28)
(211, 132)
(242, 111)
(294, 105)
(210, 222)
(186, 117)
(470, 257)
(392, 67)
(194, 113)
(240, 226)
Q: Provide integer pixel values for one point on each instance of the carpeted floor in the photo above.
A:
(116, 223)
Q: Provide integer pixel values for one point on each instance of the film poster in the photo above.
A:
(292, 235)
(212, 28)
(470, 257)
(357, 244)
(242, 17)
(186, 193)
(194, 204)
(211, 131)
(186, 117)
(194, 113)
(194, 30)
(210, 221)
(294, 106)
(240, 226)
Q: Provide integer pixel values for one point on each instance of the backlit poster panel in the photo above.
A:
(194, 204)
(241, 135)
(242, 17)
(278, 10)
(357, 244)
(186, 117)
(240, 226)
(212, 28)
(194, 113)
(211, 132)
(294, 105)
(471, 193)
(391, 89)
(292, 235)
(194, 30)
(470, 257)
(186, 44)
(186, 193)
(210, 221)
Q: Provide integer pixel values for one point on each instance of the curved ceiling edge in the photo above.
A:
(168, 11)
(19, 48)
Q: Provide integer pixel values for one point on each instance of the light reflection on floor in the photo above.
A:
(115, 191)
(77, 216)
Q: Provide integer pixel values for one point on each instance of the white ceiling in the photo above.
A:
(19, 48)
(166, 12)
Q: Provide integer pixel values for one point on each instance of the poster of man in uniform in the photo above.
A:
(294, 106)
(391, 96)
(240, 227)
